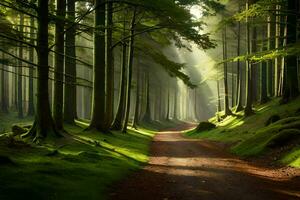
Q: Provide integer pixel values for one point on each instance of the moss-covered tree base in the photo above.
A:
(40, 133)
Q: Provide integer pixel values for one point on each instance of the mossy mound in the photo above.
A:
(284, 137)
(278, 134)
(18, 130)
(272, 119)
(205, 126)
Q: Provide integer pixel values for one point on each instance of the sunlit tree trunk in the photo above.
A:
(239, 95)
(168, 104)
(4, 87)
(226, 99)
(59, 65)
(219, 97)
(20, 71)
(119, 118)
(160, 103)
(137, 99)
(31, 69)
(277, 45)
(271, 46)
(70, 113)
(248, 108)
(130, 66)
(283, 43)
(176, 104)
(254, 67)
(195, 103)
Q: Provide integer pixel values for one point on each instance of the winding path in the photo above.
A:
(187, 169)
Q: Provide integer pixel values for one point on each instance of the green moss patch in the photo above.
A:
(74, 169)
(251, 137)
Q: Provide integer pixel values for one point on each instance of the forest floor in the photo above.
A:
(81, 165)
(185, 168)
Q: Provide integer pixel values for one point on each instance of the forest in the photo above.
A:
(148, 99)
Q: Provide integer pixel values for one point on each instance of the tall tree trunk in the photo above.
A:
(263, 70)
(99, 94)
(109, 63)
(277, 45)
(239, 89)
(197, 118)
(233, 102)
(176, 104)
(248, 108)
(254, 67)
(226, 100)
(15, 99)
(4, 87)
(130, 66)
(291, 88)
(20, 71)
(70, 113)
(147, 116)
(137, 98)
(271, 46)
(282, 60)
(160, 103)
(219, 101)
(168, 103)
(59, 65)
(43, 124)
(31, 69)
(119, 118)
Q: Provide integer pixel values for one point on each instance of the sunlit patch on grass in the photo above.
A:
(82, 167)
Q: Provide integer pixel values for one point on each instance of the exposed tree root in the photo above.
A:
(39, 134)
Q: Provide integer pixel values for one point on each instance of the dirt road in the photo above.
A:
(187, 169)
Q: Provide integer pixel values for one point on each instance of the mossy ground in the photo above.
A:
(251, 137)
(82, 165)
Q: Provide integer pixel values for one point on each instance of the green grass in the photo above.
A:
(84, 168)
(250, 137)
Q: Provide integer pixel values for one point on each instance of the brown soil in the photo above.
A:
(187, 169)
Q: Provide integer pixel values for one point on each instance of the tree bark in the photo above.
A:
(20, 71)
(31, 109)
(263, 70)
(43, 124)
(271, 46)
(109, 63)
(137, 99)
(291, 88)
(4, 87)
(99, 94)
(248, 108)
(130, 66)
(277, 45)
(239, 89)
(226, 100)
(59, 65)
(176, 104)
(70, 107)
(119, 118)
